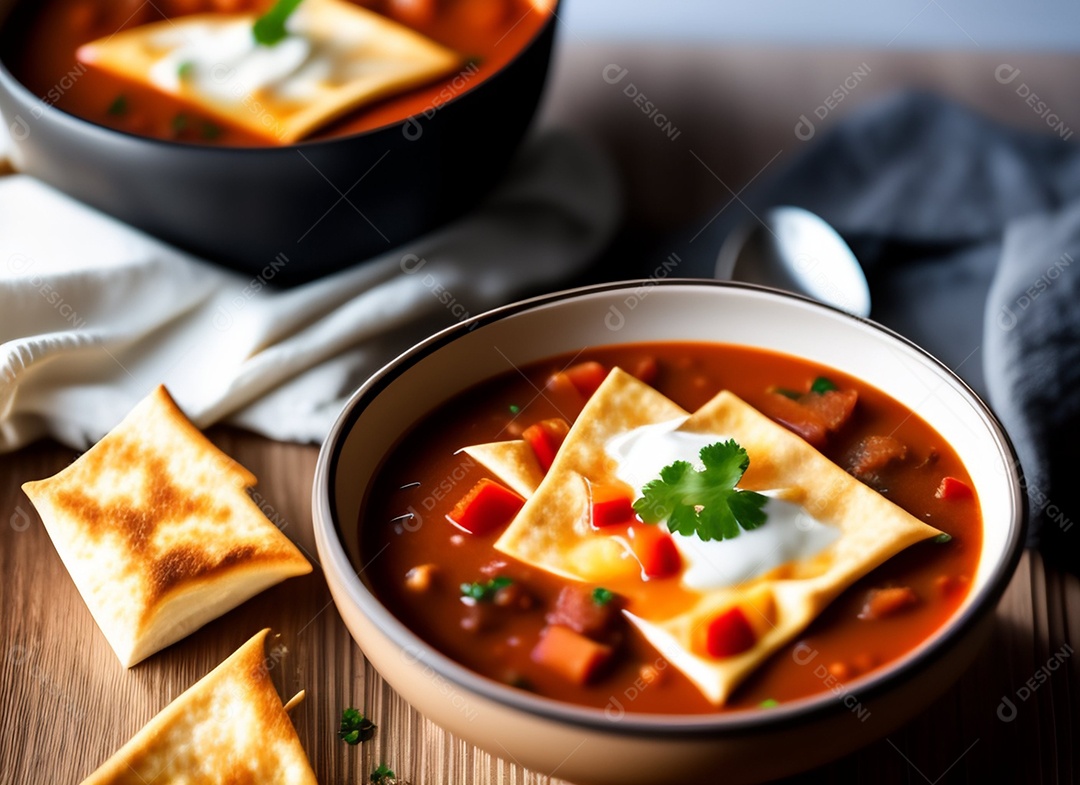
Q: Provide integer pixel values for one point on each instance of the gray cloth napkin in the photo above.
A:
(969, 232)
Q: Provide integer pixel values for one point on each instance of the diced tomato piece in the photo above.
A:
(611, 505)
(729, 634)
(577, 609)
(564, 395)
(571, 655)
(646, 369)
(796, 418)
(587, 376)
(486, 507)
(545, 438)
(881, 603)
(834, 408)
(655, 551)
(951, 585)
(953, 489)
(873, 454)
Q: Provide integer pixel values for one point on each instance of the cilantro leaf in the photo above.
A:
(602, 596)
(119, 107)
(382, 775)
(269, 28)
(705, 503)
(355, 727)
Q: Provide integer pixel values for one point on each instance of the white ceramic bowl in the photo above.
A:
(591, 745)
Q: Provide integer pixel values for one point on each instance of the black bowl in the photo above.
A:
(285, 214)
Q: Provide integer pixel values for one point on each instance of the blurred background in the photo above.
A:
(1045, 24)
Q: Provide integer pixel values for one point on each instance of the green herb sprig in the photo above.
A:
(382, 775)
(269, 28)
(602, 596)
(705, 503)
(355, 727)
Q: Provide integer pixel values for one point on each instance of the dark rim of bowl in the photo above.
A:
(670, 725)
(83, 125)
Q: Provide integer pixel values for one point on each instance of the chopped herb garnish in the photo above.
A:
(485, 592)
(942, 538)
(269, 28)
(180, 123)
(822, 385)
(514, 408)
(119, 106)
(382, 775)
(602, 596)
(787, 393)
(705, 503)
(185, 69)
(208, 130)
(355, 727)
(769, 703)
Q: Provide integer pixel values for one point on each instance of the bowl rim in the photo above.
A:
(787, 714)
(78, 124)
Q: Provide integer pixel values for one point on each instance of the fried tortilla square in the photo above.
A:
(155, 526)
(337, 58)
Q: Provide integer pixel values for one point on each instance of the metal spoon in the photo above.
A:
(793, 249)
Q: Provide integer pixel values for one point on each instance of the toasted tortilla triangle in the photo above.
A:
(157, 530)
(513, 461)
(552, 531)
(337, 58)
(228, 727)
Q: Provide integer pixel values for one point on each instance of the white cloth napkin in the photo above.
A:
(94, 314)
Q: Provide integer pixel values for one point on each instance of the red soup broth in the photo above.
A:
(424, 474)
(487, 33)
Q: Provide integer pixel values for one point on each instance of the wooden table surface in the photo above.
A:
(68, 704)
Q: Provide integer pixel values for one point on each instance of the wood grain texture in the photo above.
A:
(68, 704)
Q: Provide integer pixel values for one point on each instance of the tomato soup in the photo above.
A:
(487, 33)
(491, 612)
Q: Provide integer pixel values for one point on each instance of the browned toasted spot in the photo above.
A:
(185, 563)
(136, 521)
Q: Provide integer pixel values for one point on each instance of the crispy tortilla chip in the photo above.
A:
(156, 528)
(338, 57)
(513, 461)
(552, 530)
(228, 727)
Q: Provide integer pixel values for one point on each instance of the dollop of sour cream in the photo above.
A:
(224, 61)
(789, 534)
